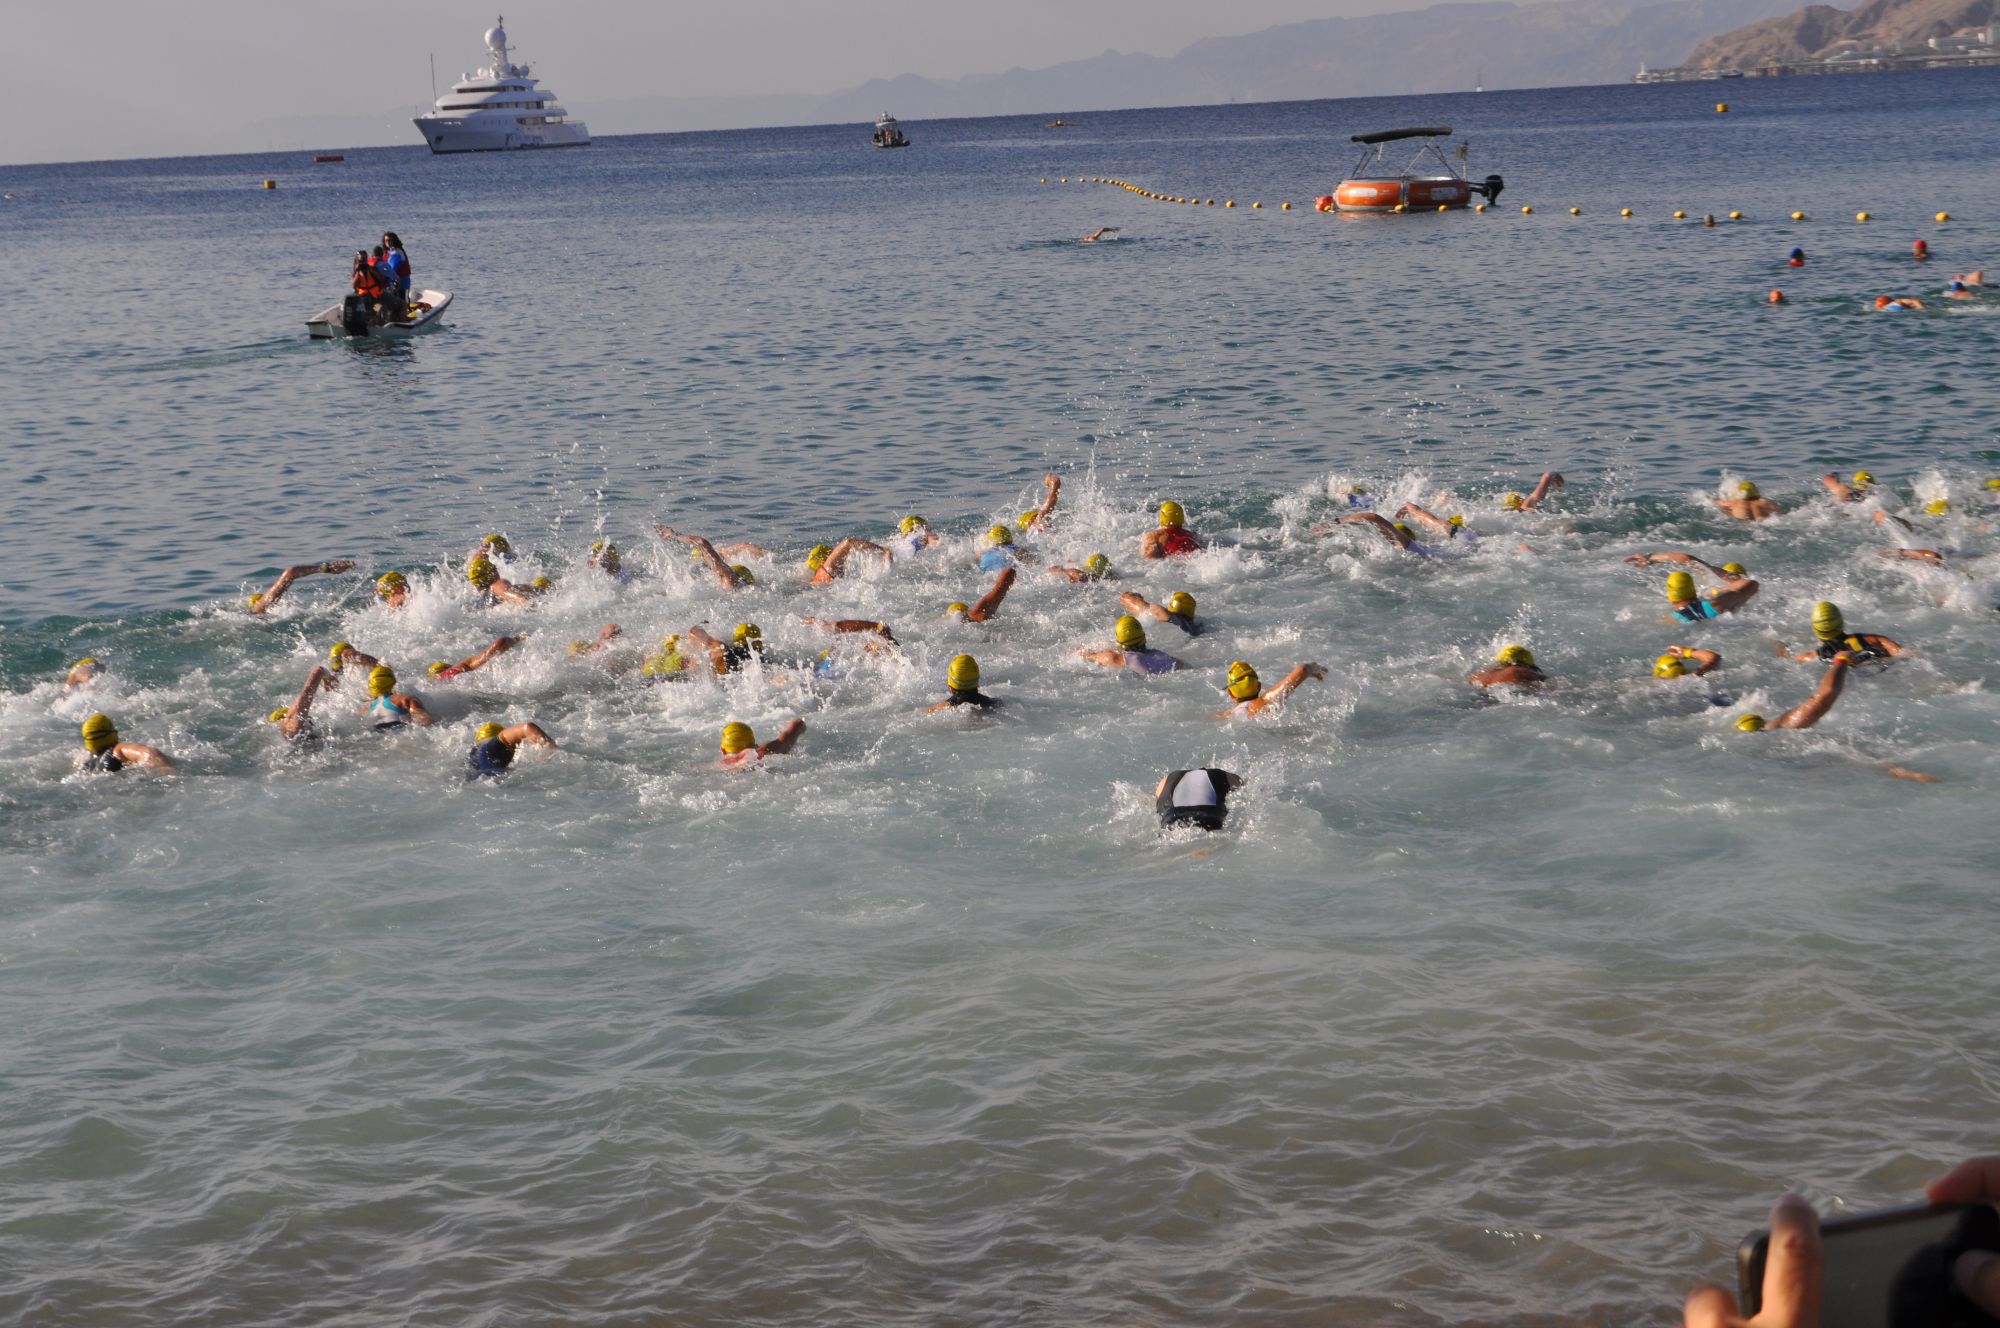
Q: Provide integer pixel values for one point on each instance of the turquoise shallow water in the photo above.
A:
(1509, 1012)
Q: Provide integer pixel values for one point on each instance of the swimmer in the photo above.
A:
(1096, 567)
(1001, 551)
(1398, 534)
(913, 536)
(1037, 521)
(393, 589)
(741, 748)
(1834, 639)
(1356, 497)
(961, 681)
(443, 672)
(604, 556)
(1737, 587)
(1451, 527)
(493, 587)
(265, 600)
(987, 605)
(1920, 250)
(878, 632)
(1173, 539)
(1199, 798)
(605, 636)
(1852, 491)
(388, 708)
(825, 565)
(1131, 652)
(728, 576)
(1098, 234)
(495, 547)
(1178, 609)
(83, 673)
(295, 720)
(493, 748)
(104, 754)
(342, 656)
(1685, 661)
(1708, 219)
(746, 643)
(1749, 504)
(1809, 711)
(1247, 692)
(1775, 297)
(1887, 304)
(1958, 290)
(1513, 666)
(1975, 278)
(1797, 258)
(1930, 556)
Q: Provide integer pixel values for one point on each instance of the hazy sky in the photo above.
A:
(120, 78)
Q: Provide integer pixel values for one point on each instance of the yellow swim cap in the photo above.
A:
(1512, 502)
(963, 674)
(1994, 482)
(99, 734)
(335, 651)
(541, 583)
(737, 738)
(957, 608)
(487, 730)
(1680, 587)
(1403, 529)
(87, 662)
(481, 572)
(815, 557)
(381, 680)
(744, 574)
(1520, 656)
(1936, 507)
(1361, 489)
(910, 523)
(256, 599)
(1747, 489)
(998, 535)
(389, 582)
(1171, 514)
(1827, 624)
(1736, 569)
(1180, 604)
(1243, 682)
(499, 544)
(1097, 564)
(1863, 478)
(1454, 520)
(1750, 723)
(1668, 666)
(1128, 633)
(1026, 521)
(437, 667)
(749, 631)
(278, 716)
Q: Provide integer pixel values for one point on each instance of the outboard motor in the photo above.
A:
(354, 315)
(1494, 184)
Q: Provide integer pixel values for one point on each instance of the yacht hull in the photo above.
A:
(446, 136)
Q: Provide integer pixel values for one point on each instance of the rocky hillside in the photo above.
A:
(1818, 31)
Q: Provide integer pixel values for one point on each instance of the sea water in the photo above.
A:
(1483, 1009)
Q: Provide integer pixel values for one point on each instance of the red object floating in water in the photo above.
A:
(330, 156)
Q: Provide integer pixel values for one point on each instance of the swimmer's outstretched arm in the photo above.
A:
(529, 733)
(509, 592)
(1838, 488)
(1379, 524)
(744, 549)
(319, 680)
(868, 625)
(1140, 607)
(499, 646)
(1276, 695)
(138, 753)
(989, 603)
(725, 575)
(1931, 556)
(1110, 659)
(419, 716)
(1813, 709)
(787, 737)
(717, 655)
(1736, 590)
(262, 603)
(1052, 489)
(1703, 660)
(1430, 519)
(836, 561)
(1549, 480)
(1883, 518)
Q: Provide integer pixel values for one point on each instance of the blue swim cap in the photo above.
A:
(1798, 253)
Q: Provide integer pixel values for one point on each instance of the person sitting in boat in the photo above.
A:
(393, 304)
(397, 262)
(368, 283)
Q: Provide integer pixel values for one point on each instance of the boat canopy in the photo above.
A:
(1391, 135)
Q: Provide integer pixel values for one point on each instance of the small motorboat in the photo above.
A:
(1057, 124)
(887, 135)
(1425, 183)
(355, 316)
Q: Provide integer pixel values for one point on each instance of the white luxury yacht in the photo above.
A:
(499, 108)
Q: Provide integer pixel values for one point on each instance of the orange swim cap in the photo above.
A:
(1777, 297)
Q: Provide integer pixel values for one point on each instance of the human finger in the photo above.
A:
(1971, 1181)
(1709, 1306)
(1977, 1273)
(1792, 1267)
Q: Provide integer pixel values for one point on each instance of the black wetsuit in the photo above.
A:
(489, 759)
(1855, 645)
(735, 657)
(1199, 806)
(978, 700)
(105, 762)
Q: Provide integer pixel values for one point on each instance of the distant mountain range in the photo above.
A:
(1819, 31)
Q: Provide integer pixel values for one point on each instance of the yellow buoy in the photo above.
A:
(1722, 108)
(1045, 179)
(1525, 210)
(1399, 208)
(1798, 216)
(1065, 179)
(1576, 212)
(1478, 207)
(1679, 215)
(1444, 207)
(270, 184)
(1256, 205)
(1229, 202)
(1944, 216)
(1736, 216)
(1624, 212)
(1861, 216)
(1284, 207)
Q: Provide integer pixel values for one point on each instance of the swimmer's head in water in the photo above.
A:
(1171, 514)
(1863, 478)
(816, 557)
(1128, 633)
(1827, 624)
(749, 634)
(1513, 502)
(540, 583)
(605, 554)
(1668, 666)
(736, 738)
(279, 715)
(437, 666)
(1359, 490)
(481, 572)
(957, 609)
(1403, 529)
(1936, 507)
(1180, 604)
(1993, 484)
(87, 666)
(1776, 297)
(910, 523)
(962, 674)
(1882, 302)
(335, 651)
(579, 647)
(1750, 723)
(1735, 569)
(665, 660)
(1455, 521)
(1798, 255)
(1680, 587)
(1243, 682)
(499, 545)
(1745, 489)
(1026, 521)
(997, 535)
(1958, 285)
(99, 734)
(1096, 564)
(743, 574)
(256, 599)
(1516, 656)
(381, 680)
(487, 731)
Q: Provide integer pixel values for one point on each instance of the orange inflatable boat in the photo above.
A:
(1425, 183)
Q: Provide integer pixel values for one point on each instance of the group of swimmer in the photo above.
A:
(1963, 285)
(1195, 798)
